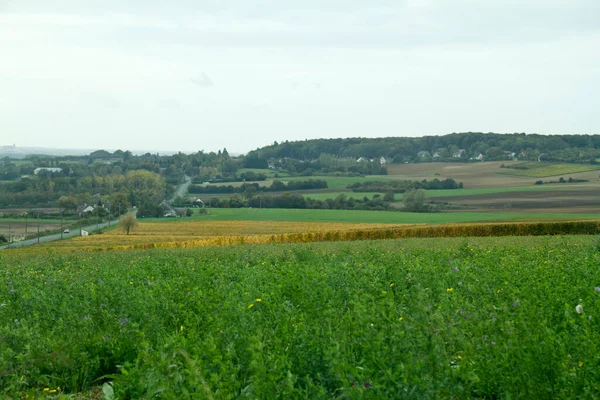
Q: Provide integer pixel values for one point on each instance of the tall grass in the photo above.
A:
(321, 321)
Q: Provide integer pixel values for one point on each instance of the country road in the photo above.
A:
(77, 231)
(181, 189)
(51, 238)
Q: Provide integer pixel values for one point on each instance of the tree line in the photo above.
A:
(276, 186)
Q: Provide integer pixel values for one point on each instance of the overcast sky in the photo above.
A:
(207, 74)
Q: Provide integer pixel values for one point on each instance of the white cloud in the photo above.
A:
(294, 69)
(202, 80)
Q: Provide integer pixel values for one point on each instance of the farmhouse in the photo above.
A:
(459, 153)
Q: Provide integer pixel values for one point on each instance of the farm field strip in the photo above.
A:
(168, 236)
(403, 319)
(383, 217)
(544, 170)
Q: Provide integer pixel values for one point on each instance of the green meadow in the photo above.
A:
(485, 318)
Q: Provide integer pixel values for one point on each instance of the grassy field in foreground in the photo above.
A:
(488, 318)
(379, 217)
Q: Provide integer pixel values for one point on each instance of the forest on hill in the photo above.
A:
(452, 147)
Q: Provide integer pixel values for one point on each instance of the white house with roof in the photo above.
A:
(459, 153)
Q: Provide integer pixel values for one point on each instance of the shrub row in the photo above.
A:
(457, 230)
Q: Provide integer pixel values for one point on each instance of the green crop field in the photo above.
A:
(473, 192)
(545, 169)
(390, 217)
(270, 173)
(404, 319)
(342, 182)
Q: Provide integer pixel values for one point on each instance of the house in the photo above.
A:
(53, 170)
(510, 154)
(197, 202)
(88, 209)
(479, 157)
(383, 161)
(168, 210)
(423, 154)
(459, 153)
(271, 166)
(436, 155)
(363, 159)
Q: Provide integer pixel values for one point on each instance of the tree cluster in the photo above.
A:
(276, 186)
(492, 146)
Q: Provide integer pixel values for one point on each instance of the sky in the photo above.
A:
(190, 75)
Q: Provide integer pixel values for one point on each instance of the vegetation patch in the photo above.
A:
(545, 169)
(335, 320)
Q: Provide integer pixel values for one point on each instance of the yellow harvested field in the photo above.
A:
(200, 233)
(305, 235)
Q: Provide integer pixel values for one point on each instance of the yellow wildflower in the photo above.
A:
(131, 283)
(258, 300)
(181, 328)
(449, 290)
(580, 364)
(250, 306)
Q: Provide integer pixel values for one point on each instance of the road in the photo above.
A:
(51, 238)
(182, 188)
(77, 231)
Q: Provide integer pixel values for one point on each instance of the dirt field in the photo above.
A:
(17, 229)
(481, 174)
(581, 199)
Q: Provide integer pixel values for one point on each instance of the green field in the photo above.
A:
(34, 221)
(545, 169)
(401, 319)
(270, 173)
(390, 217)
(350, 195)
(473, 192)
(342, 182)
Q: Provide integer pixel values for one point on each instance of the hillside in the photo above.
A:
(452, 147)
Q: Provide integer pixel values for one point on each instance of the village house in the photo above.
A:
(459, 153)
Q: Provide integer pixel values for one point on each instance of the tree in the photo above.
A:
(119, 202)
(128, 222)
(67, 202)
(414, 200)
(388, 196)
(250, 192)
